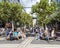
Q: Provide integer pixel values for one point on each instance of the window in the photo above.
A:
(8, 0)
(56, 0)
(18, 0)
(51, 0)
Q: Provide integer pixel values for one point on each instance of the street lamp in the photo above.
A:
(34, 17)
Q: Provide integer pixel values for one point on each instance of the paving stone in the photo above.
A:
(11, 42)
(45, 42)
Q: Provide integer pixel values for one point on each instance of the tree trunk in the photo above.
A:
(42, 25)
(56, 27)
(12, 26)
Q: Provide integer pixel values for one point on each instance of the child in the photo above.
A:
(15, 34)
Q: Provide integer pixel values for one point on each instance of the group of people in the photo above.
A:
(45, 33)
(41, 33)
(16, 34)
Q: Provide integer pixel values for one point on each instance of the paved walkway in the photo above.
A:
(2, 38)
(27, 44)
(24, 44)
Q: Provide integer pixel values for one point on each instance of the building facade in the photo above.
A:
(15, 1)
(0, 0)
(57, 1)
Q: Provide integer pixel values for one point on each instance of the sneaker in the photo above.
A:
(51, 40)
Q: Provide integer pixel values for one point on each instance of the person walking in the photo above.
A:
(38, 33)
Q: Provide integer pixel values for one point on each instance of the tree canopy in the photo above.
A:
(56, 17)
(14, 11)
(43, 11)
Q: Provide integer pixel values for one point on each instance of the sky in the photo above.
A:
(28, 3)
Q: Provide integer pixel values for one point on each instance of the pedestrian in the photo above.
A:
(8, 28)
(11, 35)
(15, 34)
(37, 33)
(53, 34)
(46, 35)
(50, 30)
(21, 34)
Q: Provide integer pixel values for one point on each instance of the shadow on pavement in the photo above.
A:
(45, 42)
(11, 42)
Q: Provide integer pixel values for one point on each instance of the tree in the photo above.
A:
(10, 11)
(26, 19)
(43, 11)
(56, 15)
(13, 12)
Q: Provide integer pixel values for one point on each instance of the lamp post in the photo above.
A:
(34, 17)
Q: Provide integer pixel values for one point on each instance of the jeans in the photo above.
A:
(38, 36)
(11, 36)
(7, 31)
(47, 38)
